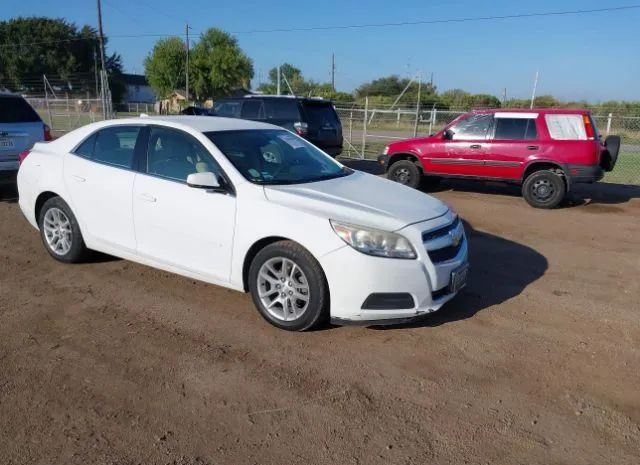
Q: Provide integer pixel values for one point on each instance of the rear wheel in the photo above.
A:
(544, 189)
(405, 172)
(60, 232)
(288, 286)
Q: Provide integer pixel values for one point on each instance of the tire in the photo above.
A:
(544, 189)
(60, 232)
(610, 156)
(405, 172)
(269, 285)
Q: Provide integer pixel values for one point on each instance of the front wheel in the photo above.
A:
(288, 287)
(405, 172)
(544, 189)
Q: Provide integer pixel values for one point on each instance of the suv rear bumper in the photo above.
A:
(584, 173)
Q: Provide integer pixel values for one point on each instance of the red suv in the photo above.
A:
(545, 151)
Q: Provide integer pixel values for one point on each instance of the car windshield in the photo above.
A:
(273, 156)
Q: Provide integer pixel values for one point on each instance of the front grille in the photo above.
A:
(446, 253)
(440, 232)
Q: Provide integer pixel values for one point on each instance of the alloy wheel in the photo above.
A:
(57, 231)
(283, 289)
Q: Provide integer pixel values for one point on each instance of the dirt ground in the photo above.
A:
(537, 361)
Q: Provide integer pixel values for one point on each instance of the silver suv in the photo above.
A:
(20, 128)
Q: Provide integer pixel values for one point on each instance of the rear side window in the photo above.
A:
(566, 127)
(474, 127)
(321, 114)
(227, 109)
(86, 148)
(17, 110)
(282, 109)
(252, 109)
(115, 146)
(515, 129)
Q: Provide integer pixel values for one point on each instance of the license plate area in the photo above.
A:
(459, 278)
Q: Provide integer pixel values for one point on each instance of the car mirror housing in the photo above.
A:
(448, 134)
(206, 180)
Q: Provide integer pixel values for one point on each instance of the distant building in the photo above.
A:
(173, 104)
(137, 89)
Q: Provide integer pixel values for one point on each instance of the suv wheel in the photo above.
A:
(544, 189)
(60, 232)
(405, 172)
(288, 286)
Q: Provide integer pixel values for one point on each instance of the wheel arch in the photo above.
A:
(253, 251)
(40, 201)
(396, 157)
(539, 165)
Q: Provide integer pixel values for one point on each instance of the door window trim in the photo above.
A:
(143, 158)
(138, 145)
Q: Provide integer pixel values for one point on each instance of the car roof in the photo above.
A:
(274, 97)
(199, 123)
(535, 110)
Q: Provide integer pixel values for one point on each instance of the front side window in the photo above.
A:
(113, 146)
(273, 156)
(515, 129)
(474, 127)
(175, 155)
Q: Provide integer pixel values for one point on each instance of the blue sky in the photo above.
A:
(592, 57)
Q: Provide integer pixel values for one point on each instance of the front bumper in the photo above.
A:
(353, 277)
(584, 173)
(383, 161)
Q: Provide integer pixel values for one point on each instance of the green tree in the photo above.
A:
(35, 46)
(219, 65)
(165, 66)
(392, 86)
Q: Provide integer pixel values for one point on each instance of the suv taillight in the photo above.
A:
(47, 133)
(22, 155)
(301, 128)
(588, 127)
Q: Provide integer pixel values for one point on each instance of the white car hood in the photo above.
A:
(360, 199)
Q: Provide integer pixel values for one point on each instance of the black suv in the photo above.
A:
(315, 119)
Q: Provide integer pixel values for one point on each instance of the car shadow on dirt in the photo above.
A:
(500, 270)
(8, 192)
(580, 194)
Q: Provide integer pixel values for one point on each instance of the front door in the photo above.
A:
(463, 149)
(182, 226)
(99, 177)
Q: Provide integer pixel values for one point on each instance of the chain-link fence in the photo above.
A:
(66, 114)
(368, 129)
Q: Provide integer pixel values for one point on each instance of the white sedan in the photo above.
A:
(248, 206)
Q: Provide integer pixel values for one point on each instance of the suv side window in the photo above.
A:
(252, 109)
(474, 127)
(283, 109)
(173, 154)
(113, 146)
(515, 129)
(229, 109)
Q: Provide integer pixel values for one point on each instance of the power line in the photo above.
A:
(364, 26)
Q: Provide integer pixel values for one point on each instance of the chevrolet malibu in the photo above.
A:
(249, 206)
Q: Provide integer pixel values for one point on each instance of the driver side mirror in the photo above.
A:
(448, 134)
(206, 180)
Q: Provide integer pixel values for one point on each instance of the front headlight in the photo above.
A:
(373, 241)
(385, 151)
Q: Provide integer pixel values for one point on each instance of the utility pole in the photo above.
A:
(415, 128)
(95, 69)
(102, 60)
(333, 71)
(186, 29)
(504, 96)
(535, 86)
(279, 79)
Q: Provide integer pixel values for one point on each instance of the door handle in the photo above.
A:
(78, 178)
(148, 198)
(475, 146)
(533, 147)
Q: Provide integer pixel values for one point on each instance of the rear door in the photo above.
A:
(253, 109)
(324, 127)
(99, 175)
(514, 140)
(20, 128)
(283, 112)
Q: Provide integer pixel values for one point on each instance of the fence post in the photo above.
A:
(350, 130)
(46, 100)
(364, 124)
(609, 123)
(415, 128)
(398, 118)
